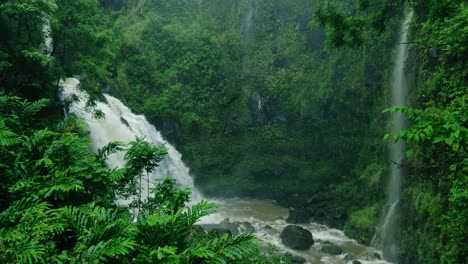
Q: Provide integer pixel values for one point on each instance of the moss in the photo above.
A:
(361, 224)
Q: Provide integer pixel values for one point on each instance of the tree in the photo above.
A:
(143, 157)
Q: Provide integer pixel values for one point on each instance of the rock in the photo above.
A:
(356, 261)
(268, 227)
(377, 256)
(298, 216)
(295, 259)
(296, 237)
(245, 227)
(331, 249)
(348, 257)
(220, 229)
(123, 120)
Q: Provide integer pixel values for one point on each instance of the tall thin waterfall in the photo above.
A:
(385, 238)
(248, 23)
(120, 124)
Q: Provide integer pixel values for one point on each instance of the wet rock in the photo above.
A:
(348, 257)
(295, 259)
(245, 227)
(298, 216)
(356, 262)
(296, 237)
(268, 227)
(123, 120)
(220, 229)
(238, 226)
(331, 249)
(377, 256)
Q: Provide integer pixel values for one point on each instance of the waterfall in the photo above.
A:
(248, 23)
(120, 124)
(385, 237)
(48, 44)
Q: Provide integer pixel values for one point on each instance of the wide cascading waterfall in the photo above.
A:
(385, 238)
(120, 124)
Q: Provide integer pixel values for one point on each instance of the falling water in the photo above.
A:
(120, 124)
(248, 23)
(385, 237)
(48, 44)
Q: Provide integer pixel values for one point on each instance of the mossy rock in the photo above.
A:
(361, 225)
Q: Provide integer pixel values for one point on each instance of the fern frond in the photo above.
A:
(29, 109)
(17, 208)
(76, 218)
(117, 175)
(240, 246)
(72, 184)
(100, 232)
(19, 248)
(109, 148)
(7, 137)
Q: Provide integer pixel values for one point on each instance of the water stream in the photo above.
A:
(267, 218)
(385, 237)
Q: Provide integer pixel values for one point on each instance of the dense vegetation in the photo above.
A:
(269, 99)
(434, 212)
(57, 200)
(256, 104)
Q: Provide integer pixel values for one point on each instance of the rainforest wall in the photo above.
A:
(257, 102)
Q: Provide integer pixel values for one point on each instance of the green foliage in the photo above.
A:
(142, 156)
(167, 197)
(58, 200)
(361, 224)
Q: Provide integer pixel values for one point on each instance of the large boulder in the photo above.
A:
(296, 237)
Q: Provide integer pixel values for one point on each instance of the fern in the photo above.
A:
(56, 189)
(7, 137)
(100, 232)
(19, 248)
(238, 247)
(109, 148)
(19, 207)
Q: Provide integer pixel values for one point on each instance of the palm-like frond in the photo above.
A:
(238, 247)
(18, 247)
(28, 227)
(196, 212)
(100, 232)
(19, 207)
(224, 249)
